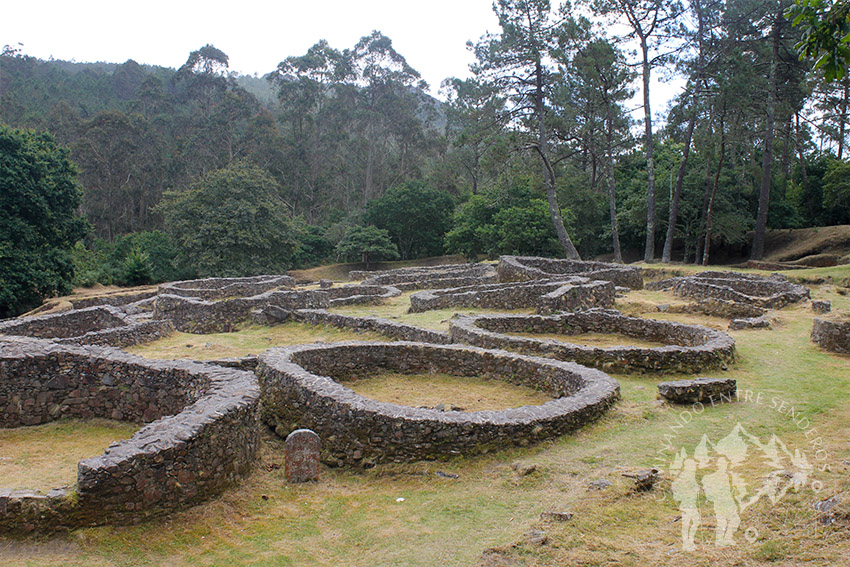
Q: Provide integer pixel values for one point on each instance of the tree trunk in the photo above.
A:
(548, 172)
(609, 173)
(710, 209)
(843, 119)
(649, 252)
(806, 191)
(677, 192)
(757, 252)
(667, 253)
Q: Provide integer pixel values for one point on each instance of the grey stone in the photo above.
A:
(821, 306)
(301, 450)
(832, 333)
(762, 322)
(699, 390)
(553, 516)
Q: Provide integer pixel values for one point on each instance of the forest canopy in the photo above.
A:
(550, 146)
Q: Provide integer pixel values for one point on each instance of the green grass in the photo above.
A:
(396, 308)
(42, 457)
(470, 393)
(353, 517)
(252, 339)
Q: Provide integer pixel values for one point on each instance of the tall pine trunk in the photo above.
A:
(673, 217)
(609, 167)
(649, 252)
(548, 172)
(757, 252)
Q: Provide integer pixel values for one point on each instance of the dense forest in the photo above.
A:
(340, 153)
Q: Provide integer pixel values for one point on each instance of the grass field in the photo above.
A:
(482, 517)
(252, 339)
(467, 392)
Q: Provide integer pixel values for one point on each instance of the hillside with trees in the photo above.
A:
(199, 171)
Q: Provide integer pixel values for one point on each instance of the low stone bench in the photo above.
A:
(762, 322)
(698, 390)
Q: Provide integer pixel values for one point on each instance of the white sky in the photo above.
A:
(430, 34)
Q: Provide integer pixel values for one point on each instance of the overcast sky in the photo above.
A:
(430, 34)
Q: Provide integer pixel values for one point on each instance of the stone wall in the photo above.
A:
(523, 268)
(219, 288)
(832, 333)
(191, 315)
(562, 295)
(103, 325)
(770, 293)
(360, 294)
(114, 300)
(299, 391)
(386, 327)
(65, 324)
(687, 348)
(429, 277)
(203, 437)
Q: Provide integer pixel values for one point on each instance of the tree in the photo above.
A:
(232, 222)
(826, 34)
(39, 195)
(517, 63)
(508, 220)
(647, 20)
(366, 243)
(415, 216)
(602, 79)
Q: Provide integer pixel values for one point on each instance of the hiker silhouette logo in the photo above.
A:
(730, 476)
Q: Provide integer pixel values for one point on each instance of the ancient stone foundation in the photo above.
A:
(203, 434)
(430, 277)
(192, 315)
(567, 294)
(360, 294)
(832, 333)
(522, 268)
(770, 293)
(699, 390)
(299, 390)
(220, 288)
(687, 348)
(103, 325)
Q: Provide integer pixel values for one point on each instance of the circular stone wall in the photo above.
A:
(429, 277)
(520, 268)
(204, 434)
(298, 390)
(771, 293)
(688, 348)
(566, 294)
(218, 288)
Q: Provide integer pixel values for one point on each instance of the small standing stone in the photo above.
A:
(821, 306)
(301, 451)
(325, 284)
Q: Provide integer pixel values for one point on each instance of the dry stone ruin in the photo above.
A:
(202, 421)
